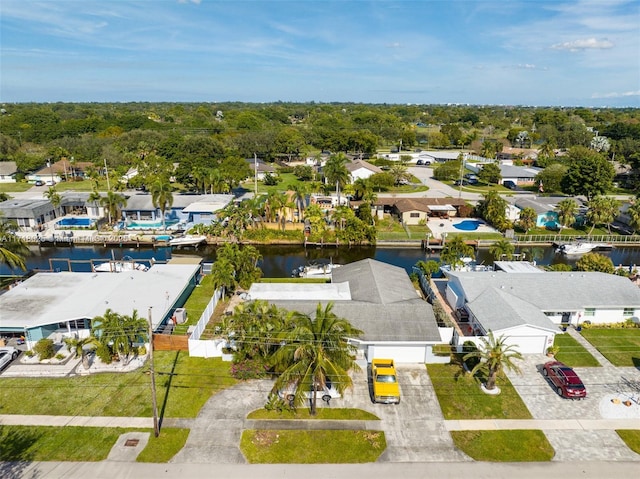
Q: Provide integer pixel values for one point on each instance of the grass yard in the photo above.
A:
(504, 446)
(620, 346)
(311, 447)
(474, 236)
(75, 443)
(322, 413)
(183, 385)
(631, 438)
(14, 187)
(572, 353)
(198, 300)
(460, 395)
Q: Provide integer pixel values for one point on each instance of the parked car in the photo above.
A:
(39, 183)
(7, 354)
(565, 380)
(327, 393)
(420, 162)
(460, 182)
(509, 184)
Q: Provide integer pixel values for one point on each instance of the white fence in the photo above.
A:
(206, 348)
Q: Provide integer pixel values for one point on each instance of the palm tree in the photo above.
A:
(12, 248)
(454, 250)
(502, 248)
(336, 173)
(54, 197)
(314, 351)
(528, 218)
(567, 209)
(113, 202)
(224, 276)
(78, 346)
(300, 197)
(217, 182)
(494, 357)
(602, 210)
(119, 332)
(399, 172)
(161, 196)
(634, 216)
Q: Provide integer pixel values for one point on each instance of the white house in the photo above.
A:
(528, 308)
(361, 169)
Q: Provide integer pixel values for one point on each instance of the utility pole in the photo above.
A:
(106, 172)
(156, 429)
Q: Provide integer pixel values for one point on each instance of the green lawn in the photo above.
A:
(311, 447)
(14, 187)
(322, 413)
(199, 299)
(504, 446)
(460, 396)
(183, 385)
(620, 346)
(473, 236)
(572, 353)
(631, 438)
(75, 443)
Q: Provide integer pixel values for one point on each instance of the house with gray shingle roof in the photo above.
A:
(377, 298)
(8, 170)
(528, 308)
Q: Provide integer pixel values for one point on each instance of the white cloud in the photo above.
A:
(585, 44)
(394, 45)
(625, 94)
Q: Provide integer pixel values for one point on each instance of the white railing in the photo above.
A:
(206, 348)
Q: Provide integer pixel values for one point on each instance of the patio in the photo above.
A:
(440, 226)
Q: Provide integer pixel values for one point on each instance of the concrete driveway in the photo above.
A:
(414, 429)
(602, 384)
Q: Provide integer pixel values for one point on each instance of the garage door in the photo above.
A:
(528, 344)
(400, 354)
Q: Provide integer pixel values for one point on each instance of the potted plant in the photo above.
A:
(553, 350)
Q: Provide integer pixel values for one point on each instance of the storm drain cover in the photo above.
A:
(131, 442)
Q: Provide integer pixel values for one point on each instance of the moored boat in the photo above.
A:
(188, 240)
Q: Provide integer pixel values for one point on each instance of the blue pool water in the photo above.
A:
(467, 225)
(133, 225)
(85, 222)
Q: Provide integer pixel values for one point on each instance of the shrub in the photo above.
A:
(103, 352)
(60, 356)
(142, 350)
(44, 349)
(249, 369)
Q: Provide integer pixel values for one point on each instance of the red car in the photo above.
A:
(565, 380)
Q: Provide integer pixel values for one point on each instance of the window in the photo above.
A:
(589, 312)
(628, 312)
(414, 215)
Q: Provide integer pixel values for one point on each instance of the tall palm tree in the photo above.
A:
(494, 357)
(566, 210)
(528, 218)
(454, 250)
(13, 249)
(634, 215)
(54, 197)
(502, 248)
(314, 351)
(336, 173)
(217, 182)
(300, 197)
(161, 196)
(113, 202)
(602, 210)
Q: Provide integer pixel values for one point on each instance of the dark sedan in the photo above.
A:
(565, 380)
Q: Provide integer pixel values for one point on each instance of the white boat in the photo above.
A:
(315, 271)
(187, 240)
(120, 266)
(580, 247)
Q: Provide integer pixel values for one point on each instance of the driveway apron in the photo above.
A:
(544, 403)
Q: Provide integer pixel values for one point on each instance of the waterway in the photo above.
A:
(279, 261)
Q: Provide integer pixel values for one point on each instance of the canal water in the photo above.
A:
(278, 261)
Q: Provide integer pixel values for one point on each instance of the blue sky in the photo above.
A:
(534, 52)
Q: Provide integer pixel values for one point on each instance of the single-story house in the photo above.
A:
(359, 169)
(8, 171)
(260, 168)
(65, 302)
(378, 299)
(29, 214)
(528, 308)
(412, 211)
(60, 170)
(519, 175)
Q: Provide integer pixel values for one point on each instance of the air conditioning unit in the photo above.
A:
(180, 315)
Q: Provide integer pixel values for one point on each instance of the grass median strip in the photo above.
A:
(78, 443)
(504, 446)
(312, 447)
(322, 413)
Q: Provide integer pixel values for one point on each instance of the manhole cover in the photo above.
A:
(131, 442)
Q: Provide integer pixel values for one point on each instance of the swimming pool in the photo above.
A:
(148, 225)
(79, 222)
(468, 225)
